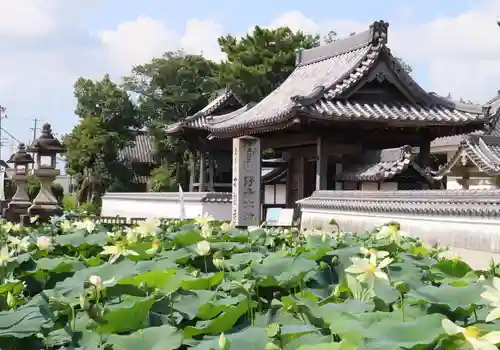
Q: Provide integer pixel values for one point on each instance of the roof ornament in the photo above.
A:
(379, 31)
(317, 93)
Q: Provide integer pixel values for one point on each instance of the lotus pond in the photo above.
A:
(205, 285)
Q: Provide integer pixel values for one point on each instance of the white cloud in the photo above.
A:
(27, 18)
(135, 42)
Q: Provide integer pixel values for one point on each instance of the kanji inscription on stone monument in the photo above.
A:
(246, 207)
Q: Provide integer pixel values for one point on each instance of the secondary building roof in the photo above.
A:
(383, 165)
(225, 100)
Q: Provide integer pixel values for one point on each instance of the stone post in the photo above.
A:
(20, 202)
(246, 203)
(46, 148)
(45, 203)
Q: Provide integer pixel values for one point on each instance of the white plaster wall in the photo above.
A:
(452, 184)
(157, 207)
(476, 240)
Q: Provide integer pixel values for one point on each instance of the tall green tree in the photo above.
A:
(260, 61)
(171, 88)
(107, 121)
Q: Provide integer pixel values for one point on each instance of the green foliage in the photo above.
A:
(89, 208)
(170, 88)
(259, 62)
(206, 285)
(69, 203)
(161, 180)
(9, 188)
(33, 187)
(107, 122)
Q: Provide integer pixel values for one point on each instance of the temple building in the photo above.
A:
(470, 161)
(348, 117)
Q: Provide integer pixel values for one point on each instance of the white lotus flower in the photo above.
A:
(5, 256)
(115, 251)
(203, 248)
(132, 236)
(473, 336)
(379, 254)
(203, 220)
(86, 224)
(8, 226)
(226, 227)
(367, 270)
(19, 244)
(492, 294)
(147, 228)
(392, 233)
(65, 225)
(44, 243)
(206, 231)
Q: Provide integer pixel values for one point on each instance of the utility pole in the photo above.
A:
(35, 129)
(2, 116)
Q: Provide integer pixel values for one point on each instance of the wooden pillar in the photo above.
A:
(201, 180)
(321, 164)
(425, 150)
(211, 173)
(300, 177)
(192, 171)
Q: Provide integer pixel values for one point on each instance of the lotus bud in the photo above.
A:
(11, 300)
(44, 243)
(324, 237)
(273, 330)
(203, 248)
(143, 286)
(96, 281)
(224, 343)
(402, 287)
(323, 265)
(272, 346)
(218, 260)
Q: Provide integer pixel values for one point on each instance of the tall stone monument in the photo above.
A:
(246, 206)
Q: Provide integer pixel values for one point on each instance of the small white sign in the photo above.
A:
(279, 217)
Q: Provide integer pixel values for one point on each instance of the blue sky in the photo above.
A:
(453, 46)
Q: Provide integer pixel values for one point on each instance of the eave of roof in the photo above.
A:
(200, 118)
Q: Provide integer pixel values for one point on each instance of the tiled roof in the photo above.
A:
(481, 150)
(452, 141)
(199, 119)
(392, 111)
(140, 151)
(382, 165)
(484, 203)
(326, 74)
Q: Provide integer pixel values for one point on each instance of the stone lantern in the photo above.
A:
(46, 148)
(20, 202)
